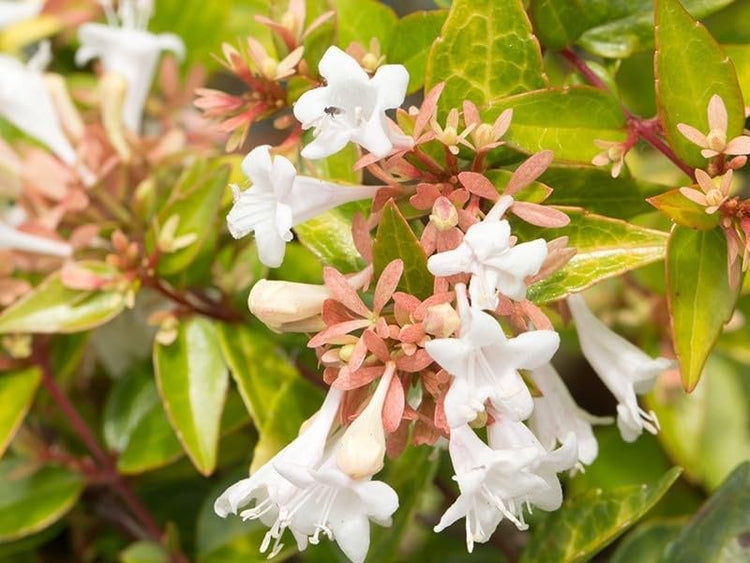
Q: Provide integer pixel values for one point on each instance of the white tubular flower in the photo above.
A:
(279, 199)
(484, 364)
(288, 306)
(12, 239)
(266, 486)
(490, 481)
(508, 435)
(362, 446)
(623, 367)
(126, 48)
(556, 415)
(13, 12)
(351, 107)
(26, 103)
(494, 265)
(330, 502)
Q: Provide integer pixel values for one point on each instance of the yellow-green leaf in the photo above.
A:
(486, 50)
(329, 237)
(699, 297)
(361, 20)
(192, 379)
(17, 390)
(412, 41)
(690, 68)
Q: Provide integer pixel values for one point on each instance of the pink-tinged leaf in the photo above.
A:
(359, 352)
(334, 312)
(414, 363)
(717, 114)
(471, 113)
(425, 196)
(411, 333)
(540, 215)
(348, 380)
(692, 134)
(366, 161)
(331, 333)
(376, 345)
(429, 105)
(694, 195)
(393, 407)
(437, 299)
(530, 170)
(479, 185)
(738, 146)
(361, 237)
(684, 207)
(387, 284)
(343, 292)
(317, 22)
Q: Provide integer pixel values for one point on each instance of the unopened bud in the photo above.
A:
(444, 214)
(112, 90)
(480, 421)
(370, 62)
(362, 446)
(288, 306)
(484, 135)
(441, 320)
(268, 68)
(345, 352)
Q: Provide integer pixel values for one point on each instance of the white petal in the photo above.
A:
(328, 142)
(532, 349)
(311, 106)
(352, 533)
(337, 66)
(391, 82)
(451, 262)
(373, 136)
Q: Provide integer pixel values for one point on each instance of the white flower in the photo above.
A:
(556, 415)
(27, 104)
(279, 200)
(328, 501)
(490, 482)
(494, 265)
(13, 239)
(13, 12)
(506, 434)
(351, 107)
(126, 48)
(623, 367)
(266, 486)
(484, 364)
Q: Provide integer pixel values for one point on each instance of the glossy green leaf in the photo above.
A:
(646, 544)
(329, 237)
(588, 522)
(30, 502)
(634, 80)
(17, 391)
(412, 41)
(394, 240)
(192, 379)
(361, 20)
(684, 211)
(51, 307)
(723, 24)
(558, 23)
(195, 201)
(144, 552)
(566, 121)
(132, 398)
(338, 167)
(699, 297)
(708, 431)
(719, 532)
(690, 68)
(606, 247)
(740, 55)
(486, 50)
(619, 29)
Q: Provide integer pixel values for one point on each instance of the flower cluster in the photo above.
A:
(417, 363)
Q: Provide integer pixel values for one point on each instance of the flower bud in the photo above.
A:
(441, 320)
(288, 306)
(112, 91)
(362, 446)
(444, 214)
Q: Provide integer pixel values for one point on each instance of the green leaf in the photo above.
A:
(740, 55)
(647, 542)
(587, 522)
(692, 424)
(17, 391)
(619, 29)
(719, 532)
(144, 552)
(195, 201)
(606, 247)
(635, 83)
(338, 166)
(329, 237)
(30, 502)
(51, 307)
(192, 379)
(558, 23)
(361, 20)
(595, 189)
(132, 398)
(690, 68)
(723, 25)
(395, 239)
(699, 297)
(486, 50)
(412, 41)
(684, 211)
(564, 120)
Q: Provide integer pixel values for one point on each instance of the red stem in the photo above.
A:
(120, 485)
(639, 125)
